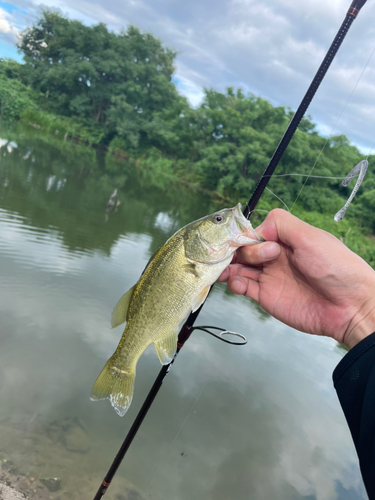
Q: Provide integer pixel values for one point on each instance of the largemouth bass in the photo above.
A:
(175, 282)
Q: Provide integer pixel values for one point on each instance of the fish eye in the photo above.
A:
(218, 219)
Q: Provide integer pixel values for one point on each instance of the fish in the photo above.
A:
(175, 282)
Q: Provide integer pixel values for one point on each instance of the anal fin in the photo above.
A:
(166, 347)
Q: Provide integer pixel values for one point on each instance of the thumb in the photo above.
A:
(282, 226)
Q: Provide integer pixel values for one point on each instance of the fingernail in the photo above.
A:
(270, 251)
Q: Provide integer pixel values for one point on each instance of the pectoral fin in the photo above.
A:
(120, 310)
(200, 299)
(166, 348)
(191, 268)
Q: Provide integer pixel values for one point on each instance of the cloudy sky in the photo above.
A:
(270, 48)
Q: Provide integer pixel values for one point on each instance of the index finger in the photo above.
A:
(258, 254)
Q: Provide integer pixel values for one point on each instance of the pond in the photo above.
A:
(257, 422)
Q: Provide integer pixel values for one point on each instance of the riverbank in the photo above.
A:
(8, 493)
(44, 459)
(12, 487)
(17, 486)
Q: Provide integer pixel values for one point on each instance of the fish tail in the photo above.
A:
(116, 384)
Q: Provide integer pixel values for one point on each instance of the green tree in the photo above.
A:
(15, 97)
(119, 80)
(239, 133)
(116, 89)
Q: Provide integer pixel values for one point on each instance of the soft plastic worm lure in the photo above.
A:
(360, 168)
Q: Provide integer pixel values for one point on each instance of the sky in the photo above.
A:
(271, 48)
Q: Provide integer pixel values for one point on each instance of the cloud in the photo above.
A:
(8, 32)
(271, 49)
(189, 89)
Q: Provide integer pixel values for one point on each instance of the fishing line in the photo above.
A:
(360, 169)
(372, 147)
(333, 129)
(275, 195)
(178, 433)
(300, 175)
(260, 210)
(311, 176)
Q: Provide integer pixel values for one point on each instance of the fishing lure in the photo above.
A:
(361, 169)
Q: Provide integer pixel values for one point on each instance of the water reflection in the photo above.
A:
(255, 422)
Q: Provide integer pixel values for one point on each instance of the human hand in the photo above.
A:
(306, 278)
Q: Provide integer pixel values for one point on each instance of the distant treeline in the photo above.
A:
(116, 91)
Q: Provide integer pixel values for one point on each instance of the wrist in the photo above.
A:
(362, 329)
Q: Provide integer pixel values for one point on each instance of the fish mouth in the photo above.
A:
(242, 229)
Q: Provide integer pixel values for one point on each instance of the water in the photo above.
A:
(258, 422)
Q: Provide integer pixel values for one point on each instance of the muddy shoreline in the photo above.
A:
(53, 459)
(19, 487)
(8, 493)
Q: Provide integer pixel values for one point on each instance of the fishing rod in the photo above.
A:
(188, 326)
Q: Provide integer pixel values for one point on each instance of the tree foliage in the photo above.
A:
(119, 80)
(14, 95)
(116, 90)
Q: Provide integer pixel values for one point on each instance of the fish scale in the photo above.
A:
(175, 281)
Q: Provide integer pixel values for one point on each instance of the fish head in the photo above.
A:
(215, 237)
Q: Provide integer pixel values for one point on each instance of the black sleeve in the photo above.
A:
(354, 381)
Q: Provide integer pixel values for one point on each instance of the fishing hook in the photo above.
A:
(219, 336)
(360, 168)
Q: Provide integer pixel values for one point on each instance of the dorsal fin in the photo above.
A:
(120, 310)
(149, 261)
